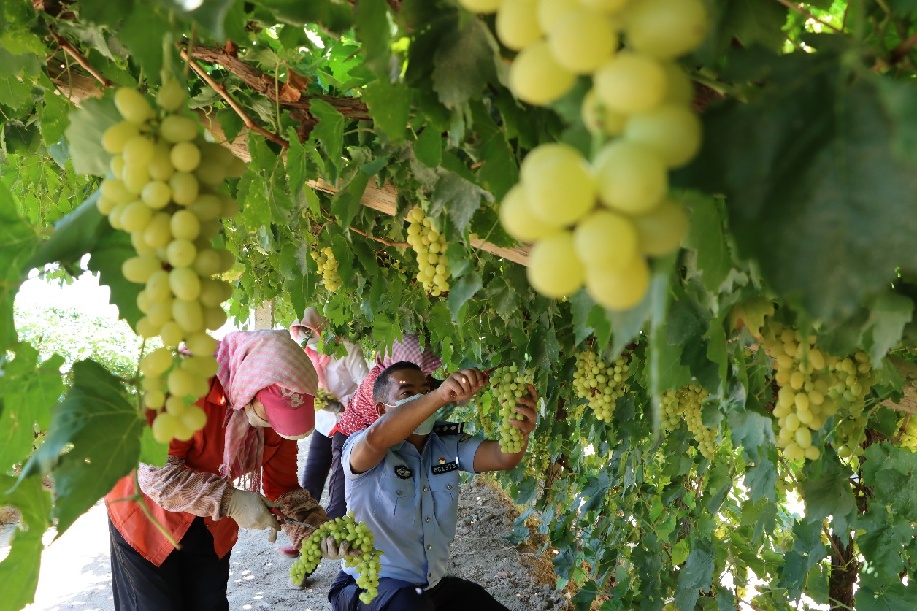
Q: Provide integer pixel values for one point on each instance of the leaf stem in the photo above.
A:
(378, 239)
(73, 52)
(808, 14)
(221, 90)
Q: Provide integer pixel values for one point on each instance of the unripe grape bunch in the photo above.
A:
(594, 222)
(685, 404)
(430, 247)
(344, 528)
(328, 267)
(908, 432)
(322, 398)
(815, 386)
(164, 190)
(508, 384)
(600, 381)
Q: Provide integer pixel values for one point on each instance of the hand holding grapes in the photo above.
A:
(527, 412)
(461, 385)
(332, 551)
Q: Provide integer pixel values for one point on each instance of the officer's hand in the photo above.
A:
(332, 551)
(251, 510)
(526, 417)
(461, 385)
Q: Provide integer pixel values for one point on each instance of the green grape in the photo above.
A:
(185, 188)
(208, 262)
(161, 167)
(558, 183)
(135, 178)
(185, 225)
(212, 292)
(156, 363)
(630, 82)
(156, 194)
(598, 118)
(176, 128)
(185, 283)
(132, 105)
(171, 95)
(154, 399)
(661, 230)
(685, 404)
(322, 398)
(551, 11)
(666, 28)
(201, 344)
(115, 137)
(176, 405)
(536, 77)
(115, 190)
(672, 132)
(158, 232)
(189, 315)
(214, 318)
(166, 427)
(181, 253)
(180, 383)
(171, 333)
(555, 269)
(139, 269)
(430, 247)
(630, 178)
(136, 216)
(581, 41)
(206, 207)
(601, 382)
(138, 151)
(481, 6)
(908, 432)
(622, 288)
(605, 240)
(679, 89)
(194, 418)
(517, 23)
(606, 6)
(185, 157)
(160, 312)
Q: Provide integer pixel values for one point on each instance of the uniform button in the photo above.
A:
(429, 547)
(428, 519)
(399, 493)
(425, 488)
(449, 487)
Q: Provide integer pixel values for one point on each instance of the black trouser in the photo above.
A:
(337, 506)
(450, 594)
(191, 578)
(318, 463)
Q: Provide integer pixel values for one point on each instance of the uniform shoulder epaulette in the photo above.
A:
(449, 428)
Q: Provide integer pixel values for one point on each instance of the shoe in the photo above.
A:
(289, 551)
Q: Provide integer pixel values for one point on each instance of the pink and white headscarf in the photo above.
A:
(250, 361)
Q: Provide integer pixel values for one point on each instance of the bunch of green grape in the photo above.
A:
(164, 189)
(813, 387)
(430, 247)
(323, 397)
(686, 404)
(594, 222)
(328, 267)
(600, 381)
(509, 384)
(908, 427)
(345, 528)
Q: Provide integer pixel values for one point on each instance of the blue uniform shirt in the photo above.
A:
(410, 500)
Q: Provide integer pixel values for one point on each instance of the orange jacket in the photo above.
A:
(203, 452)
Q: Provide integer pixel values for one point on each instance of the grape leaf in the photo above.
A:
(694, 576)
(20, 566)
(33, 388)
(463, 63)
(74, 235)
(372, 27)
(329, 134)
(17, 242)
(706, 237)
(108, 255)
(346, 203)
(826, 489)
(463, 290)
(101, 434)
(889, 470)
(333, 15)
(459, 197)
(141, 34)
(84, 135)
(390, 107)
(428, 148)
(888, 315)
(803, 203)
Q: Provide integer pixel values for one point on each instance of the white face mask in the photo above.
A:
(303, 436)
(424, 427)
(254, 419)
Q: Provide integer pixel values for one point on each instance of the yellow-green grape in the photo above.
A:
(481, 6)
(185, 283)
(508, 384)
(115, 137)
(177, 128)
(552, 11)
(554, 268)
(686, 404)
(518, 220)
(328, 267)
(672, 132)
(430, 247)
(908, 432)
(517, 23)
(536, 77)
(559, 184)
(619, 289)
(679, 89)
(606, 240)
(661, 230)
(156, 363)
(601, 382)
(185, 157)
(185, 188)
(631, 82)
(582, 40)
(322, 398)
(132, 105)
(598, 118)
(345, 528)
(171, 95)
(852, 379)
(666, 28)
(140, 269)
(630, 178)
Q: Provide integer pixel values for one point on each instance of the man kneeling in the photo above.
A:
(402, 480)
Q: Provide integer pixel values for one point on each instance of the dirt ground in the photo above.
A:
(76, 576)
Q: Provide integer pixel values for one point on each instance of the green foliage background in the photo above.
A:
(803, 196)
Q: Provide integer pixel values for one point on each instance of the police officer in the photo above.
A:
(402, 480)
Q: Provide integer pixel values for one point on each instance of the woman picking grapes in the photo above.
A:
(260, 402)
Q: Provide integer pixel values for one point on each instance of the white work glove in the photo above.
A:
(332, 551)
(251, 510)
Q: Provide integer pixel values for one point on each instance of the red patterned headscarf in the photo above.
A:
(250, 361)
(361, 411)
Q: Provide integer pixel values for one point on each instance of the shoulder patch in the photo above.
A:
(449, 428)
